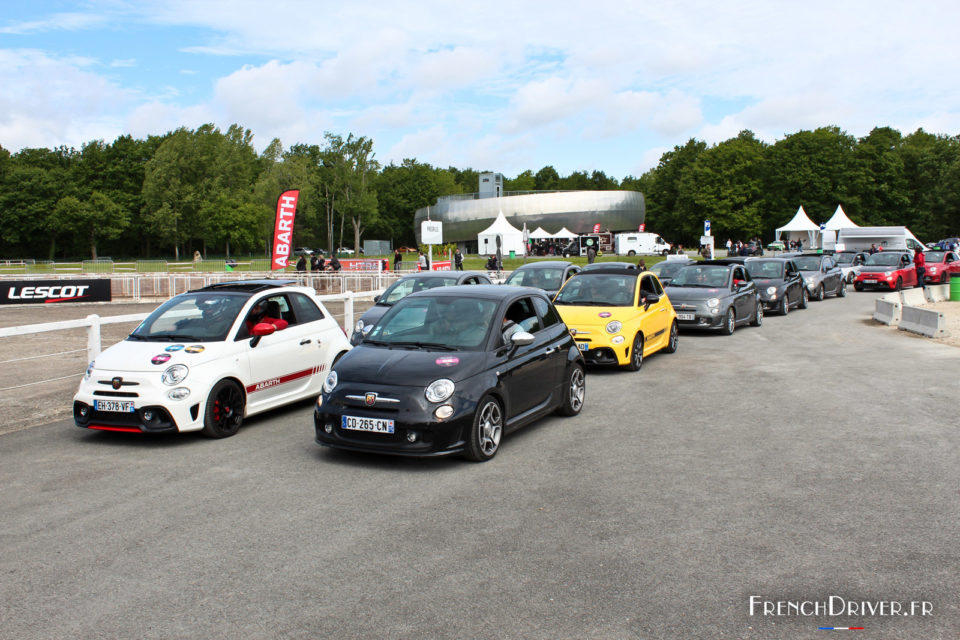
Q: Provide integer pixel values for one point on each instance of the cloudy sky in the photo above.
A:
(503, 86)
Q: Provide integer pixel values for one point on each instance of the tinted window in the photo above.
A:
(523, 314)
(305, 309)
(547, 312)
(455, 323)
(765, 268)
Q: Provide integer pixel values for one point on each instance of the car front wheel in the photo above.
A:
(573, 392)
(484, 440)
(729, 323)
(819, 295)
(842, 291)
(804, 298)
(636, 354)
(899, 285)
(784, 305)
(224, 411)
(758, 315)
(857, 286)
(674, 341)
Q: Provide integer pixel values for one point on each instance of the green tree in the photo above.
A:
(97, 218)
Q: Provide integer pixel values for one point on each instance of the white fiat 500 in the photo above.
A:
(204, 360)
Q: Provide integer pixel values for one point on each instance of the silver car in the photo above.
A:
(821, 275)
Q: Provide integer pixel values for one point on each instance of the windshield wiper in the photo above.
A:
(172, 337)
(424, 345)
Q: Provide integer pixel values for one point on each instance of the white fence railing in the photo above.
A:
(93, 322)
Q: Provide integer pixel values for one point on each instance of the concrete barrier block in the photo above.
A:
(913, 297)
(887, 311)
(938, 292)
(926, 322)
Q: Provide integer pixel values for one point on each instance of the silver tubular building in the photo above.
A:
(465, 216)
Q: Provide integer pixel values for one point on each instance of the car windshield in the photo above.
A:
(933, 256)
(405, 286)
(844, 258)
(598, 289)
(441, 323)
(713, 276)
(883, 259)
(668, 268)
(808, 263)
(765, 268)
(541, 278)
(192, 317)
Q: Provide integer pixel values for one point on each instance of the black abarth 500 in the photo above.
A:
(449, 371)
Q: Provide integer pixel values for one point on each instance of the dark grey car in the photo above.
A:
(407, 285)
(548, 275)
(715, 294)
(821, 274)
(666, 269)
(779, 283)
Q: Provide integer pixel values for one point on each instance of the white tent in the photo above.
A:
(800, 228)
(540, 234)
(565, 234)
(839, 221)
(511, 238)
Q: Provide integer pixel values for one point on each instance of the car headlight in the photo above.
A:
(771, 291)
(713, 302)
(809, 280)
(439, 390)
(174, 375)
(90, 368)
(614, 326)
(331, 382)
(359, 326)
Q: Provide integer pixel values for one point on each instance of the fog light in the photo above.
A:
(411, 436)
(617, 340)
(84, 411)
(328, 428)
(444, 412)
(148, 415)
(714, 311)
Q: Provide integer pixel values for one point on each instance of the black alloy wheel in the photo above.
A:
(899, 285)
(820, 293)
(223, 414)
(857, 286)
(636, 354)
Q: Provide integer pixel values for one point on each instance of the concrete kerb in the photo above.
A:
(888, 309)
(925, 322)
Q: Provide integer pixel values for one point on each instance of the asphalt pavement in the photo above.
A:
(811, 460)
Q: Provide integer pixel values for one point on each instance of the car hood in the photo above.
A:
(131, 355)
(694, 294)
(769, 282)
(878, 269)
(574, 316)
(407, 367)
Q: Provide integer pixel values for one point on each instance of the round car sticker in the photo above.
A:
(605, 314)
(174, 347)
(448, 361)
(194, 348)
(160, 359)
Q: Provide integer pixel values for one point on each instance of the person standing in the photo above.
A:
(591, 254)
(422, 261)
(458, 259)
(301, 264)
(397, 259)
(334, 263)
(314, 263)
(920, 264)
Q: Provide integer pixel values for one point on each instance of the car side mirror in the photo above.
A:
(652, 298)
(376, 299)
(262, 329)
(521, 339)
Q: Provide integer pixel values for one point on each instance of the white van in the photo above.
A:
(631, 244)
(861, 238)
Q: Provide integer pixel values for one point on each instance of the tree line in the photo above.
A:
(208, 190)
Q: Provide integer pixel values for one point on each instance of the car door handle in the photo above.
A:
(305, 341)
(552, 350)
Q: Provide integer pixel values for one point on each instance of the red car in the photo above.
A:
(940, 264)
(887, 270)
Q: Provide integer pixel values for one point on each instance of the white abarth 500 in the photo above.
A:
(204, 360)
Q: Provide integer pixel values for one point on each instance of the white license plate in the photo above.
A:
(686, 316)
(123, 406)
(375, 425)
(583, 346)
(870, 282)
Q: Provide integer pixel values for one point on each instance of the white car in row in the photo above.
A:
(206, 359)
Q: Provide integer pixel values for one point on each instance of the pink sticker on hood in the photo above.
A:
(160, 359)
(605, 314)
(448, 361)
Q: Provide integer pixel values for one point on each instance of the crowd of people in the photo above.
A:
(318, 263)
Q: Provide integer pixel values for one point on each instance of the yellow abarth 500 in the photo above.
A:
(618, 316)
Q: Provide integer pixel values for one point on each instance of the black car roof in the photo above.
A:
(720, 262)
(544, 264)
(609, 265)
(247, 286)
(441, 274)
(490, 291)
(630, 271)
